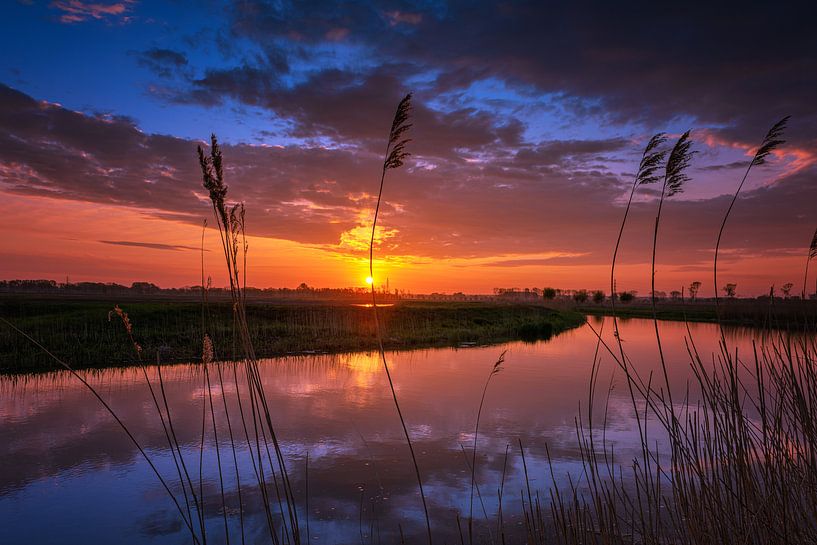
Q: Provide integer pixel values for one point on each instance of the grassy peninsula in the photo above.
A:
(80, 333)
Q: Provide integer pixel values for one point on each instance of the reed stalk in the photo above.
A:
(394, 156)
(812, 253)
(771, 141)
(496, 368)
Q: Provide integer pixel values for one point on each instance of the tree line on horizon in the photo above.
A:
(688, 293)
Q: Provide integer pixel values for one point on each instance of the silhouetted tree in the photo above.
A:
(786, 289)
(693, 290)
(598, 296)
(729, 290)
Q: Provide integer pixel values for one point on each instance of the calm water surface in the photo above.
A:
(69, 475)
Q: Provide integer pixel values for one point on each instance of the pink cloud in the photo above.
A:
(793, 158)
(397, 17)
(76, 11)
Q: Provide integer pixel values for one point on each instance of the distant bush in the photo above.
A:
(598, 296)
(549, 293)
(626, 297)
(580, 296)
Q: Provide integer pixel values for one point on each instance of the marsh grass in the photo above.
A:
(81, 334)
(740, 467)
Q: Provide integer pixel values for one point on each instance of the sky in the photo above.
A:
(529, 120)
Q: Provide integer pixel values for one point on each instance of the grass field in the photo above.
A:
(80, 333)
(791, 314)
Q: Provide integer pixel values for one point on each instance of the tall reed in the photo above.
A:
(646, 174)
(770, 142)
(230, 221)
(812, 253)
(394, 156)
(495, 370)
(673, 183)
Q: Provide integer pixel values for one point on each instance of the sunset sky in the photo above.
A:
(529, 121)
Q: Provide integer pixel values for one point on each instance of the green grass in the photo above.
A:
(79, 331)
(792, 314)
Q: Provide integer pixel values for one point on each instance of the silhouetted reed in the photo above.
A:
(740, 466)
(675, 177)
(812, 253)
(230, 222)
(495, 370)
(771, 141)
(395, 155)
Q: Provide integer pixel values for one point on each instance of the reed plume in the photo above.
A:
(231, 227)
(771, 141)
(651, 161)
(646, 174)
(394, 157)
(674, 179)
(167, 424)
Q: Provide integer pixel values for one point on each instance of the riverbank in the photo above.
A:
(787, 314)
(79, 332)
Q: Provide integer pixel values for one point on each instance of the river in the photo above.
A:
(70, 475)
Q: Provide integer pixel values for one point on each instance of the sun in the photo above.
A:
(369, 280)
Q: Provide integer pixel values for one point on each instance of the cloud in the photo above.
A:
(558, 259)
(397, 17)
(499, 197)
(341, 106)
(574, 89)
(77, 11)
(623, 64)
(151, 245)
(163, 62)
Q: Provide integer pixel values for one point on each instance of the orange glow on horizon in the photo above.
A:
(59, 239)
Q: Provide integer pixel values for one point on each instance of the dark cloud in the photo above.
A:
(151, 245)
(726, 166)
(163, 62)
(740, 69)
(344, 106)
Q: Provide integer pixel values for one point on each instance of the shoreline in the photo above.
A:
(783, 314)
(79, 333)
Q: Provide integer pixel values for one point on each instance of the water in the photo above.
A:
(69, 475)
